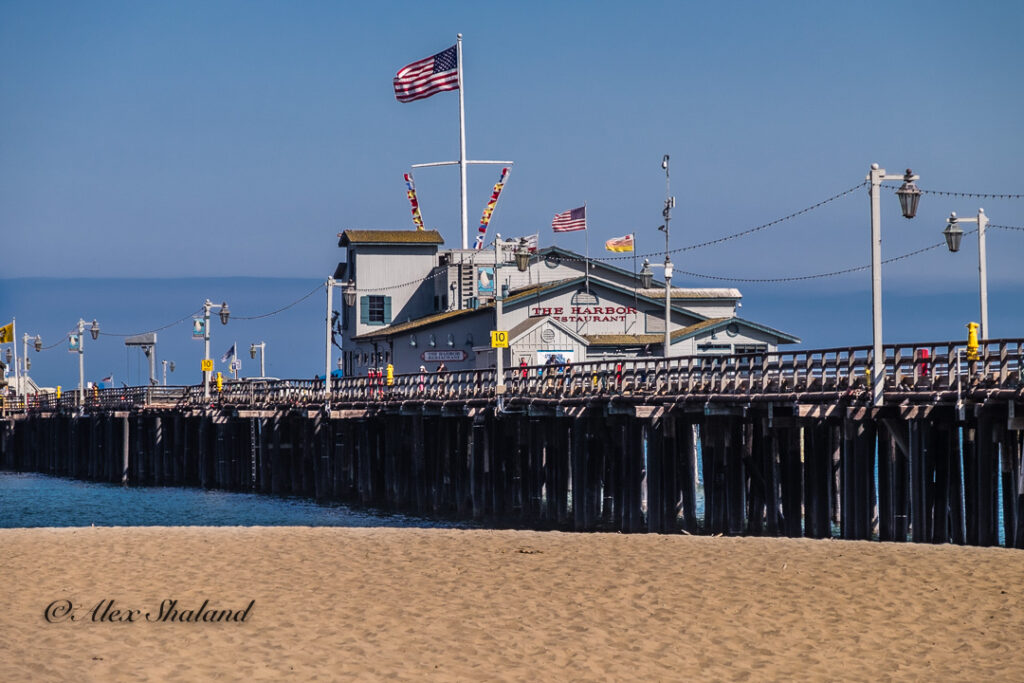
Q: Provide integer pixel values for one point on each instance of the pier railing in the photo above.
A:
(920, 367)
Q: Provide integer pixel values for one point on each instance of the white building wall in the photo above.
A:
(378, 269)
(545, 337)
(614, 313)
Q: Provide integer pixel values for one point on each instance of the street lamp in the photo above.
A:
(953, 235)
(348, 293)
(522, 256)
(165, 364)
(224, 314)
(78, 344)
(670, 203)
(37, 344)
(646, 275)
(909, 196)
(262, 346)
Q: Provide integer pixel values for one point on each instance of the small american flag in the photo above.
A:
(569, 221)
(429, 76)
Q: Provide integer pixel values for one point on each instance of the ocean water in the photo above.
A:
(821, 317)
(36, 500)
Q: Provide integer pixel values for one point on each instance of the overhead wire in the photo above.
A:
(691, 247)
(816, 276)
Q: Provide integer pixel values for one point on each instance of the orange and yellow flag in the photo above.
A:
(624, 243)
(7, 333)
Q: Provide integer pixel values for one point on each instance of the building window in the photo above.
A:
(375, 310)
(751, 348)
(714, 348)
(654, 321)
(584, 298)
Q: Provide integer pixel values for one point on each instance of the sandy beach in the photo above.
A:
(414, 604)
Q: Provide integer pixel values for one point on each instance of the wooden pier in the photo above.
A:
(789, 442)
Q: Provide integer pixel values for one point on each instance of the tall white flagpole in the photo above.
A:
(586, 230)
(462, 144)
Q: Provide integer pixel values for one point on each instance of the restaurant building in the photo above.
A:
(416, 304)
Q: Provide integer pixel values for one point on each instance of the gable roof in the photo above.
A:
(715, 324)
(594, 262)
(528, 324)
(700, 293)
(389, 237)
(521, 295)
(549, 287)
(416, 324)
(624, 339)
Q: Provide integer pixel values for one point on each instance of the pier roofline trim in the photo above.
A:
(348, 237)
(521, 296)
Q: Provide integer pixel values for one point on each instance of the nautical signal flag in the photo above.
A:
(7, 333)
(429, 76)
(570, 221)
(489, 209)
(624, 243)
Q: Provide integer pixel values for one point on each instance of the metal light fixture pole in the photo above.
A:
(37, 344)
(522, 257)
(953, 235)
(262, 346)
(327, 364)
(165, 363)
(909, 196)
(81, 362)
(670, 202)
(94, 331)
(224, 314)
(499, 353)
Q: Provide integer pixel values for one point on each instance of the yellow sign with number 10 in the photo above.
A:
(499, 339)
(207, 365)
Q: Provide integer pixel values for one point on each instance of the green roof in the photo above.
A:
(420, 322)
(389, 237)
(623, 339)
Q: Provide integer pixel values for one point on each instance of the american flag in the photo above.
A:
(428, 76)
(569, 221)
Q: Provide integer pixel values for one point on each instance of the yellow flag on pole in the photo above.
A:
(624, 243)
(7, 333)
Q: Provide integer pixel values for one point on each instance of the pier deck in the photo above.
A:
(790, 443)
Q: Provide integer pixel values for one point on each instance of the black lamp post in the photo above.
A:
(348, 293)
(38, 343)
(224, 313)
(953, 233)
(94, 330)
(522, 255)
(646, 275)
(909, 195)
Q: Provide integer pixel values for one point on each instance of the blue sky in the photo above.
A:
(206, 140)
(237, 138)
